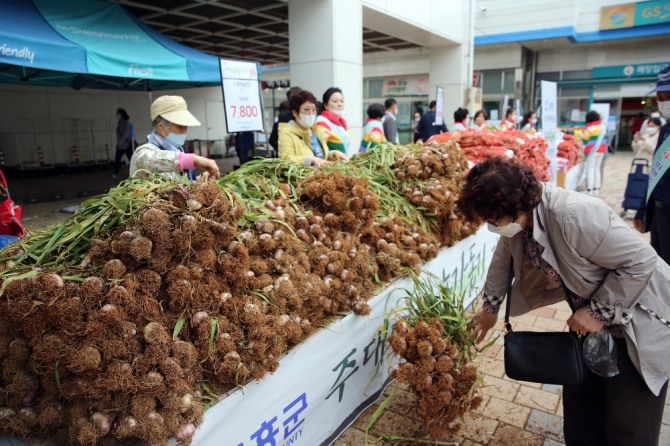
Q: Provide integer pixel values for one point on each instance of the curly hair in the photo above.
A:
(499, 188)
(296, 100)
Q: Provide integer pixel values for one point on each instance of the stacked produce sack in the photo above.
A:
(480, 145)
(569, 149)
(123, 323)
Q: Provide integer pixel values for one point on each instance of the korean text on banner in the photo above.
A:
(241, 95)
(549, 124)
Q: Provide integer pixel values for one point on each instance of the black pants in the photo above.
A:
(119, 155)
(617, 411)
(660, 236)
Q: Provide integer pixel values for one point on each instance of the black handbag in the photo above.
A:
(542, 357)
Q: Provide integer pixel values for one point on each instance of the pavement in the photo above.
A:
(512, 414)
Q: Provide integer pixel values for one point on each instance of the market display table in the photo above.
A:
(323, 384)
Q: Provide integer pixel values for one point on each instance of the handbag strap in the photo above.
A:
(508, 326)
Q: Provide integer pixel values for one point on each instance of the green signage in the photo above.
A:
(630, 71)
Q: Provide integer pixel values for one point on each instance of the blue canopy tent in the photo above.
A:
(93, 44)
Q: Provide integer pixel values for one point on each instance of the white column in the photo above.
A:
(326, 50)
(448, 69)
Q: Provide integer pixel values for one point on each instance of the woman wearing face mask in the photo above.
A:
(644, 144)
(164, 151)
(300, 140)
(529, 122)
(614, 279)
(510, 120)
(332, 120)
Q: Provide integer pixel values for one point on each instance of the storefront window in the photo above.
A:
(508, 81)
(492, 82)
(375, 88)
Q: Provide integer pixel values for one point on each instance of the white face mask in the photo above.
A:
(664, 108)
(650, 130)
(178, 139)
(307, 121)
(533, 121)
(509, 230)
(656, 115)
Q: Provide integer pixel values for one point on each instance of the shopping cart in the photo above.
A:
(636, 187)
(11, 228)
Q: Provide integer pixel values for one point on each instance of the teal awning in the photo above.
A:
(91, 43)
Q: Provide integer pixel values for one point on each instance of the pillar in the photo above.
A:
(448, 69)
(326, 50)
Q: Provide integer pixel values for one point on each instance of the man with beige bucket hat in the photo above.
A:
(164, 151)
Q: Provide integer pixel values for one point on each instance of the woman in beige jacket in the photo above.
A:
(614, 279)
(644, 144)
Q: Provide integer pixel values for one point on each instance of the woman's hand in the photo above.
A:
(207, 165)
(639, 224)
(339, 156)
(582, 322)
(481, 323)
(318, 162)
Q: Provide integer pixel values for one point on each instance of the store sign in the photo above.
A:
(241, 95)
(405, 85)
(635, 14)
(631, 71)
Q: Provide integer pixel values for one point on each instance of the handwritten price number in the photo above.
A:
(245, 111)
(657, 11)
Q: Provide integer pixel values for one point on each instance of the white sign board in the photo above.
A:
(505, 105)
(603, 110)
(576, 115)
(549, 124)
(439, 107)
(241, 95)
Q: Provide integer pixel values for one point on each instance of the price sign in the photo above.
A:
(241, 95)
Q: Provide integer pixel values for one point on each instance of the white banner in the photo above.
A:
(323, 384)
(550, 124)
(241, 95)
(439, 106)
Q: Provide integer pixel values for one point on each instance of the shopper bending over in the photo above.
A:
(300, 140)
(164, 151)
(614, 278)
